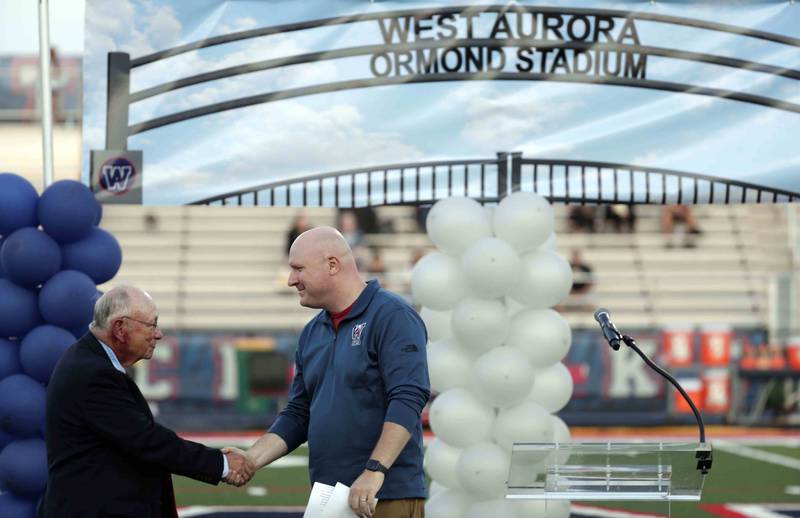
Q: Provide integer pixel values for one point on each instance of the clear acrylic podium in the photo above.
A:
(656, 471)
(609, 471)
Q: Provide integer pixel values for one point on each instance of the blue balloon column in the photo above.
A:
(48, 286)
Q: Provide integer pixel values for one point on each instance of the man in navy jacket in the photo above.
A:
(360, 386)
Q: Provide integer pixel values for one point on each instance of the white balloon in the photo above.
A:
(552, 387)
(435, 488)
(513, 307)
(437, 282)
(503, 377)
(440, 463)
(437, 323)
(499, 508)
(550, 244)
(524, 220)
(483, 470)
(450, 503)
(561, 435)
(460, 419)
(527, 422)
(449, 366)
(560, 430)
(545, 280)
(541, 508)
(543, 334)
(480, 325)
(455, 223)
(491, 266)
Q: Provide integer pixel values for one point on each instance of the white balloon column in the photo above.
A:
(495, 349)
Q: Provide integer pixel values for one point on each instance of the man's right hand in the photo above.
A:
(240, 467)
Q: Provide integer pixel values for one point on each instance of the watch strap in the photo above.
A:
(375, 465)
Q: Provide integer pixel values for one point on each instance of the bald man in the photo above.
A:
(106, 456)
(360, 385)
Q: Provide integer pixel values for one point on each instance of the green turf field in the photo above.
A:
(733, 479)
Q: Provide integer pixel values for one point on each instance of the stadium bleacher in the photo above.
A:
(217, 268)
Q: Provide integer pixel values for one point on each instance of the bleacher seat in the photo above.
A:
(224, 268)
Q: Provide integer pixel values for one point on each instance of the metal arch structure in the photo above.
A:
(489, 180)
(120, 65)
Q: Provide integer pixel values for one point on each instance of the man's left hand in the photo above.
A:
(363, 491)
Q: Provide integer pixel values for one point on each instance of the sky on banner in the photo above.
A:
(539, 89)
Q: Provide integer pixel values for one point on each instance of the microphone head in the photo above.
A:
(599, 312)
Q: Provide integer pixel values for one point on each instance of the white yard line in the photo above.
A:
(752, 453)
(754, 511)
(202, 510)
(600, 512)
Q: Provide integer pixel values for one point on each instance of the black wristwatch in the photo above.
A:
(375, 465)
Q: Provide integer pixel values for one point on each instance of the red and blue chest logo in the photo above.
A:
(358, 331)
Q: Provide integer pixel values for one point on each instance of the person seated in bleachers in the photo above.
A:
(582, 282)
(354, 235)
(376, 264)
(582, 218)
(620, 217)
(672, 214)
(300, 224)
(350, 229)
(421, 216)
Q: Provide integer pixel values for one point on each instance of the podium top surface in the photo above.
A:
(607, 471)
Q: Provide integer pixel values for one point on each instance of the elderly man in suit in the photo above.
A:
(106, 455)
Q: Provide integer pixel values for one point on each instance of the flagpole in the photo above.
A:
(46, 94)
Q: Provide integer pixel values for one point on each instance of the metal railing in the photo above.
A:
(489, 180)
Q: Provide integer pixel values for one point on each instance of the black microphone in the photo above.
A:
(613, 336)
(609, 329)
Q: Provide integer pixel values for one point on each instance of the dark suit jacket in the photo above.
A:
(106, 456)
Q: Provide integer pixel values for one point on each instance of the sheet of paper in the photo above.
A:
(338, 506)
(317, 501)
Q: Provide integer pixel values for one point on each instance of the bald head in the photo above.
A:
(324, 271)
(322, 242)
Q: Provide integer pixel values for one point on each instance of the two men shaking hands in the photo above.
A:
(361, 381)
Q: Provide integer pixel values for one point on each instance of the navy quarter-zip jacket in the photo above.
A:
(349, 382)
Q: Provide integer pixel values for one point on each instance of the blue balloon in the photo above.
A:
(99, 216)
(9, 358)
(22, 401)
(18, 203)
(67, 299)
(12, 506)
(98, 255)
(41, 349)
(30, 257)
(67, 210)
(23, 467)
(5, 439)
(79, 332)
(2, 271)
(19, 309)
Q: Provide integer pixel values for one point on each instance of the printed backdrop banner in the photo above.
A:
(354, 102)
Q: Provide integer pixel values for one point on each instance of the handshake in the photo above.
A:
(241, 466)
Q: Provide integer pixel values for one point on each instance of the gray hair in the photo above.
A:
(112, 304)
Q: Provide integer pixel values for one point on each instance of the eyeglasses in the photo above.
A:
(154, 325)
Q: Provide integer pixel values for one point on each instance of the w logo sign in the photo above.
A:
(117, 176)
